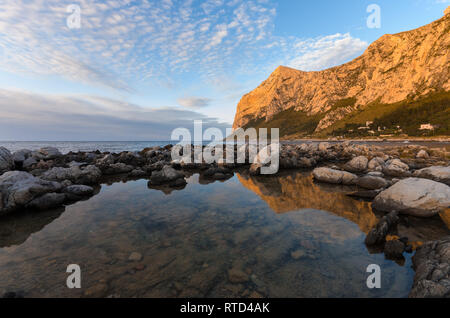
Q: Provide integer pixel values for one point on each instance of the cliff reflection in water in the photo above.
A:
(291, 192)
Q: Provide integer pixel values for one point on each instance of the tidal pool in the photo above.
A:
(282, 236)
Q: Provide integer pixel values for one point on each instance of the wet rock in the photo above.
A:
(6, 160)
(414, 196)
(47, 201)
(334, 176)
(378, 234)
(396, 168)
(79, 190)
(371, 183)
(117, 168)
(137, 173)
(432, 265)
(394, 249)
(436, 173)
(19, 188)
(166, 175)
(87, 175)
(358, 164)
(237, 276)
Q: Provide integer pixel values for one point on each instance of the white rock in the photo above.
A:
(436, 173)
(334, 176)
(414, 196)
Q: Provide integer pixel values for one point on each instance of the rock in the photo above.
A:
(21, 155)
(414, 196)
(87, 175)
(166, 175)
(377, 235)
(47, 201)
(298, 254)
(28, 163)
(105, 161)
(237, 276)
(323, 146)
(255, 169)
(79, 190)
(358, 164)
(376, 164)
(367, 194)
(18, 189)
(432, 266)
(6, 160)
(436, 173)
(376, 174)
(117, 168)
(394, 249)
(371, 183)
(334, 176)
(422, 154)
(135, 257)
(137, 173)
(49, 153)
(396, 168)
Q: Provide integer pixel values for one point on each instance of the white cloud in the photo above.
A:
(323, 52)
(58, 117)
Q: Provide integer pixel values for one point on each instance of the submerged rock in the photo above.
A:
(432, 265)
(394, 249)
(436, 173)
(414, 196)
(334, 176)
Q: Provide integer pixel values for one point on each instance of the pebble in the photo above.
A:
(135, 257)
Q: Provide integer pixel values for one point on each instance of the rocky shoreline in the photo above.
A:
(407, 180)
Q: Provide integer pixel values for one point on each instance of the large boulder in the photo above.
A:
(87, 175)
(334, 176)
(6, 160)
(414, 196)
(18, 189)
(432, 266)
(357, 164)
(436, 173)
(20, 156)
(396, 168)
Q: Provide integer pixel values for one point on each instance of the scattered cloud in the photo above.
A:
(122, 42)
(194, 102)
(56, 117)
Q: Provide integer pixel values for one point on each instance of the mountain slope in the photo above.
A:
(394, 69)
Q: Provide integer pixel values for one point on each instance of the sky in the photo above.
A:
(136, 70)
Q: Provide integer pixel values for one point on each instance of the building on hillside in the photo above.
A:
(426, 127)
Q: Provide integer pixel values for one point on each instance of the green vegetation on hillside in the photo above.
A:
(404, 117)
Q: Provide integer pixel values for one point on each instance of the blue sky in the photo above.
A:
(135, 70)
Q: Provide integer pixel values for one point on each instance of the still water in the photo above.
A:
(280, 236)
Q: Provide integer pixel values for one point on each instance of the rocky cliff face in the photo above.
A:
(393, 68)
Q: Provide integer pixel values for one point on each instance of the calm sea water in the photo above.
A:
(118, 146)
(285, 235)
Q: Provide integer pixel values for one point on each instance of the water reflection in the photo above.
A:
(221, 239)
